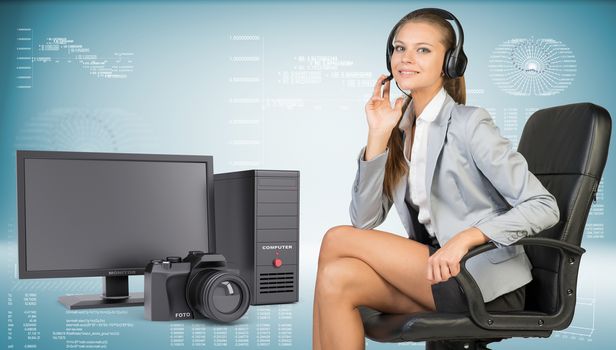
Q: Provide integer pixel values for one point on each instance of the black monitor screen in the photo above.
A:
(99, 214)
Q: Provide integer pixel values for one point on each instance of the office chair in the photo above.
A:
(566, 149)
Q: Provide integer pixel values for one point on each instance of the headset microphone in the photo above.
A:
(390, 77)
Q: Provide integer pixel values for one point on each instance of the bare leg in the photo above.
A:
(316, 340)
(365, 267)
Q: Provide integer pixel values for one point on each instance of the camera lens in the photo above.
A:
(219, 295)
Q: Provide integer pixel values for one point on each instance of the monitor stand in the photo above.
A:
(115, 294)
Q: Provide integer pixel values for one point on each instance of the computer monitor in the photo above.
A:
(109, 214)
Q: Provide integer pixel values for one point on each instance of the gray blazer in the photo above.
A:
(474, 178)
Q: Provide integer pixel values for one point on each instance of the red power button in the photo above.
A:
(277, 262)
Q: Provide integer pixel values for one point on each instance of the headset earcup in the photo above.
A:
(449, 65)
(454, 66)
(461, 64)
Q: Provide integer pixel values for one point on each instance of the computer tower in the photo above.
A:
(257, 230)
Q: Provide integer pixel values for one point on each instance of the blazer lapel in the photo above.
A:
(437, 131)
(400, 203)
(400, 191)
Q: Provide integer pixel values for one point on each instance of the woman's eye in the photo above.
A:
(420, 50)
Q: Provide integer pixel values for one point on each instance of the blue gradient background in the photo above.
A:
(178, 101)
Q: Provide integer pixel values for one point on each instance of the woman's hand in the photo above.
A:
(445, 262)
(382, 118)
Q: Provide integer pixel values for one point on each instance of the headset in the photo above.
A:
(455, 61)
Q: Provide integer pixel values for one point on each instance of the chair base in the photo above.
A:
(459, 344)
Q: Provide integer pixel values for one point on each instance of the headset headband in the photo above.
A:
(446, 15)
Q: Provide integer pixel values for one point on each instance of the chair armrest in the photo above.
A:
(569, 263)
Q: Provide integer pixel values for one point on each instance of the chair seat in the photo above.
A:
(432, 326)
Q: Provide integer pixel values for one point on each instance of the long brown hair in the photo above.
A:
(396, 166)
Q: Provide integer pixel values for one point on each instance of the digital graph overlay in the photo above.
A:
(532, 67)
(64, 50)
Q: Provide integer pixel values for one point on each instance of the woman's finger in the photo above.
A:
(377, 86)
(386, 90)
(374, 101)
(437, 272)
(430, 273)
(455, 269)
(398, 104)
(445, 273)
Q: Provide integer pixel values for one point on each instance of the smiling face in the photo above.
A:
(417, 59)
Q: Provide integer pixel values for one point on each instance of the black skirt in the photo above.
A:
(449, 296)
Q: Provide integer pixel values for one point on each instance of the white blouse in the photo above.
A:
(417, 164)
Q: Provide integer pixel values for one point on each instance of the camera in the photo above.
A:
(198, 286)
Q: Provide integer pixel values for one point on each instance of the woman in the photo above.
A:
(456, 183)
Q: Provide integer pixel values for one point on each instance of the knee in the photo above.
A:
(333, 242)
(333, 280)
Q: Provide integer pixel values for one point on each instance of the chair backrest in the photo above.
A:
(566, 149)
